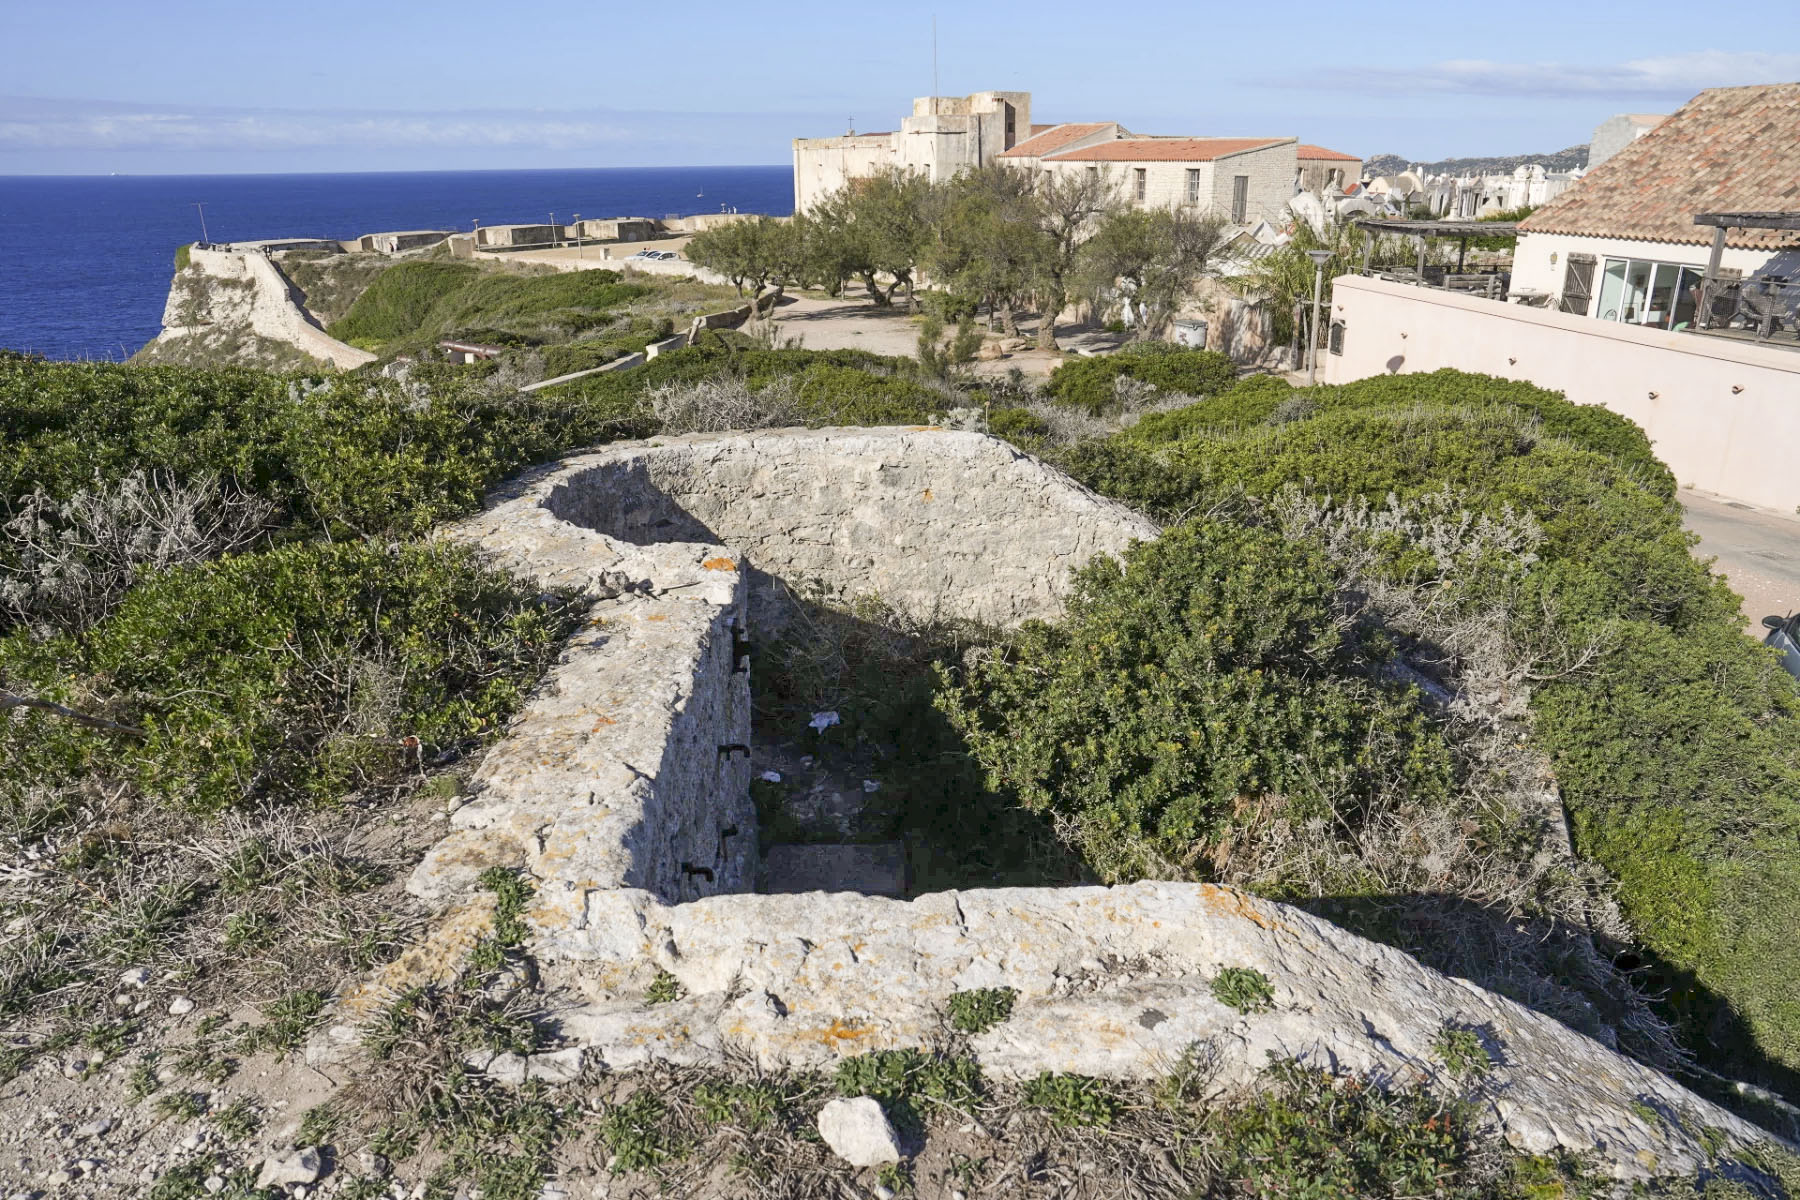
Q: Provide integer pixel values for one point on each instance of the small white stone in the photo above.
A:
(883, 1193)
(871, 786)
(180, 1006)
(771, 776)
(124, 1000)
(137, 977)
(301, 1166)
(821, 721)
(88, 1165)
(98, 1127)
(214, 1183)
(858, 1132)
(58, 1178)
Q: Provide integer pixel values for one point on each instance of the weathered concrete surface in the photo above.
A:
(935, 522)
(1112, 982)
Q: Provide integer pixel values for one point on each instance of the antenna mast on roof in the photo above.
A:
(934, 74)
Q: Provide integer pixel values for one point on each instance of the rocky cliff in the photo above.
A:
(235, 307)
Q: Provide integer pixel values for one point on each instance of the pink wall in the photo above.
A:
(1724, 414)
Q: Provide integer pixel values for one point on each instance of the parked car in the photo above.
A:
(1784, 635)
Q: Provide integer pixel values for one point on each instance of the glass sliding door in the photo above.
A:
(1662, 295)
(1612, 288)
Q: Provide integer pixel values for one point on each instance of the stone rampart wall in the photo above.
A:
(255, 295)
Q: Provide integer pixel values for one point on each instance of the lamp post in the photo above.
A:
(202, 210)
(577, 219)
(553, 230)
(1320, 258)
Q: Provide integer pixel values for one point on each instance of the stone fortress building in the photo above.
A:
(1244, 179)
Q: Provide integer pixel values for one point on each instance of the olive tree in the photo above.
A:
(1069, 205)
(1151, 258)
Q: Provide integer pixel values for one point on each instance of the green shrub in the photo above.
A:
(1089, 382)
(1243, 988)
(1462, 1053)
(1250, 400)
(1203, 673)
(1702, 841)
(1306, 1133)
(181, 255)
(902, 1079)
(633, 1131)
(300, 671)
(421, 301)
(351, 457)
(981, 1009)
(1072, 1100)
(397, 304)
(1017, 424)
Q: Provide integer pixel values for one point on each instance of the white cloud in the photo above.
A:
(39, 125)
(1672, 77)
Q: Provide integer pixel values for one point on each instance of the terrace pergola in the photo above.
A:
(1421, 231)
(1768, 299)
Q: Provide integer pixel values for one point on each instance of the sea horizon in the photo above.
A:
(85, 260)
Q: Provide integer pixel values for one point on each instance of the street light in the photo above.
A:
(1320, 258)
(577, 219)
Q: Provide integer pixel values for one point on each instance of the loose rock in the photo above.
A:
(291, 1167)
(859, 1132)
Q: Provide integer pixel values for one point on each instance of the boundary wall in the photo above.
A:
(1723, 414)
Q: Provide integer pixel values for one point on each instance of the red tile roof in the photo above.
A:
(1303, 150)
(1054, 138)
(1172, 149)
(1726, 150)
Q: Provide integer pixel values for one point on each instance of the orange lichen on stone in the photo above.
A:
(720, 563)
(928, 496)
(657, 617)
(840, 1031)
(1233, 903)
(437, 959)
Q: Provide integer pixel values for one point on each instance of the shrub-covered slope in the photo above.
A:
(1675, 739)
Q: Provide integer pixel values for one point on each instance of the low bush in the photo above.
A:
(421, 301)
(300, 671)
(1674, 739)
(1199, 679)
(1091, 383)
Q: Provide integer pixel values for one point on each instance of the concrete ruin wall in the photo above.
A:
(935, 523)
(619, 791)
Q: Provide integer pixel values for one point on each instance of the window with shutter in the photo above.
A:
(1240, 198)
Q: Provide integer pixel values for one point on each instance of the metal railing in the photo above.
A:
(1765, 307)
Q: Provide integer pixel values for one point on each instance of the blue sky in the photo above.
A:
(184, 86)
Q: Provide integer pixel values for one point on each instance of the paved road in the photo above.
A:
(1757, 549)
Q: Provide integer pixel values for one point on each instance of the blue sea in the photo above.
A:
(85, 261)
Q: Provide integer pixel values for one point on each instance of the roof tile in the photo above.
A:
(1055, 137)
(1726, 150)
(1304, 150)
(1173, 149)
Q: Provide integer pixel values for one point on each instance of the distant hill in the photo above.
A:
(1501, 164)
